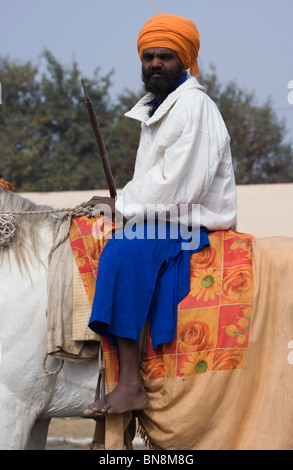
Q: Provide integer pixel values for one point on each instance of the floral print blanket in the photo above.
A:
(213, 319)
(225, 382)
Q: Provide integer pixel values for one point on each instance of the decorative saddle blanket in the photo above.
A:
(213, 319)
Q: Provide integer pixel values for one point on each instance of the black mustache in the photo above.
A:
(154, 72)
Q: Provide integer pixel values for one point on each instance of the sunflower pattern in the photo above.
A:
(213, 319)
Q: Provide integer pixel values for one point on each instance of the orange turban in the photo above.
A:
(174, 32)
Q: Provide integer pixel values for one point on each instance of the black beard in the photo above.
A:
(164, 84)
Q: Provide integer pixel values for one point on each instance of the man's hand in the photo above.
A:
(107, 204)
(110, 201)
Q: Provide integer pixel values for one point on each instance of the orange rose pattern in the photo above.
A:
(213, 319)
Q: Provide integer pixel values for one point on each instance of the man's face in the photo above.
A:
(161, 70)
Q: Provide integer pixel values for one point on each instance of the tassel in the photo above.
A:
(96, 444)
(145, 437)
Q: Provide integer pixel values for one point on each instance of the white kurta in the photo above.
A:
(183, 158)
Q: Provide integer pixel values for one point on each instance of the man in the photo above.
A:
(183, 161)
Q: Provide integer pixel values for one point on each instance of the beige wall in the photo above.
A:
(263, 210)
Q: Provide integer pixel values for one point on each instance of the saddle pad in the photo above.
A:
(213, 319)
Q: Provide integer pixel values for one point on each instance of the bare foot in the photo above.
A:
(123, 398)
(129, 394)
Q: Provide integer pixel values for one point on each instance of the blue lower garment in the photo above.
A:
(143, 274)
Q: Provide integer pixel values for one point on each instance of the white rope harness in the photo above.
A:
(7, 219)
(7, 228)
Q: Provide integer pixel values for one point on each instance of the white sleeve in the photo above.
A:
(184, 174)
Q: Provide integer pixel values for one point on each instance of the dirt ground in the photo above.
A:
(76, 434)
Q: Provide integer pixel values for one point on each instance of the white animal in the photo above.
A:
(29, 397)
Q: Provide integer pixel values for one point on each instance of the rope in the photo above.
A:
(7, 229)
(78, 211)
(51, 372)
(7, 219)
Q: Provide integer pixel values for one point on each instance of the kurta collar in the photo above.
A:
(141, 111)
(156, 104)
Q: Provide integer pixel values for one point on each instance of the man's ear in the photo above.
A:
(184, 72)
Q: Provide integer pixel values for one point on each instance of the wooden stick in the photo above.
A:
(100, 141)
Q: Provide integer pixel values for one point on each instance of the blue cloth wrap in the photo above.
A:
(140, 277)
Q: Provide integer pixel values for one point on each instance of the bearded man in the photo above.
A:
(183, 161)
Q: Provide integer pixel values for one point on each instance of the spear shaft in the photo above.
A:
(100, 142)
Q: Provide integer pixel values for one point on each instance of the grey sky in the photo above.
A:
(248, 41)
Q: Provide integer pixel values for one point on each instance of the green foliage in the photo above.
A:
(123, 141)
(258, 151)
(47, 143)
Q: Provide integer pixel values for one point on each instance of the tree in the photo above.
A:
(257, 136)
(20, 97)
(124, 139)
(46, 141)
